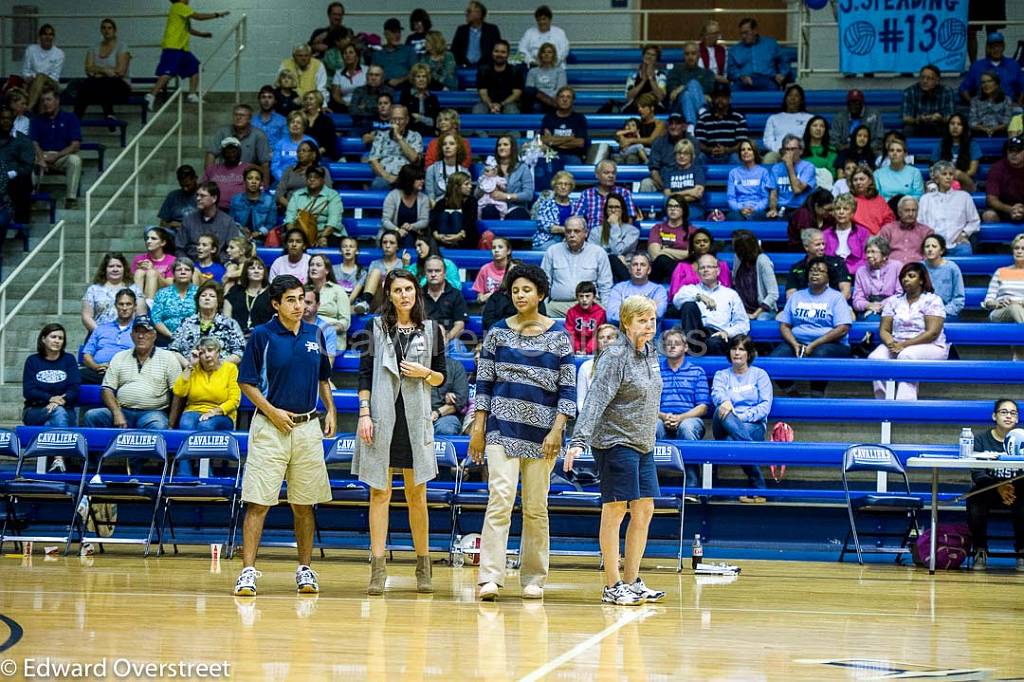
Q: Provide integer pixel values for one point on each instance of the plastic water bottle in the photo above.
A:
(458, 559)
(697, 553)
(966, 443)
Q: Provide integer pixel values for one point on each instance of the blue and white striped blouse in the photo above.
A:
(524, 382)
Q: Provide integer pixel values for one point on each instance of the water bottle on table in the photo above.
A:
(966, 443)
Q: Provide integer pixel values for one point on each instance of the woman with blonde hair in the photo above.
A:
(285, 153)
(319, 125)
(447, 122)
(440, 61)
(618, 422)
(286, 92)
(419, 100)
(553, 211)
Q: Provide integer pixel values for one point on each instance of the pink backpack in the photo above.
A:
(952, 546)
(781, 433)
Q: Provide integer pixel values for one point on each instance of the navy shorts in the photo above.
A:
(180, 63)
(626, 474)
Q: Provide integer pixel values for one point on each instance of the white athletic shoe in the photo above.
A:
(245, 586)
(150, 101)
(650, 596)
(621, 595)
(533, 592)
(489, 592)
(305, 580)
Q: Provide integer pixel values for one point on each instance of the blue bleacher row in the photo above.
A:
(714, 174)
(649, 202)
(475, 259)
(812, 409)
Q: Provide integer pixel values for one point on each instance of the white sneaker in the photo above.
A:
(533, 592)
(150, 101)
(192, 98)
(489, 592)
(57, 466)
(245, 586)
(305, 580)
(621, 595)
(650, 596)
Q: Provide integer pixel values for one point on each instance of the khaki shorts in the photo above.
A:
(296, 457)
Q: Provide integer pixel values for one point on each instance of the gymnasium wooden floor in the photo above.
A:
(776, 621)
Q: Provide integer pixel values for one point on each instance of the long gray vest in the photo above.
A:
(371, 462)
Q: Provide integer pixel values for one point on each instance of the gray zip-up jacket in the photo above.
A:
(623, 400)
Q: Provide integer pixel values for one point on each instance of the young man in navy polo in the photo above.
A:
(284, 367)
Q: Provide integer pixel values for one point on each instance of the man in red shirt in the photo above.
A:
(1004, 188)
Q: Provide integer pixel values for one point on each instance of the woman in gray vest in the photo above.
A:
(403, 359)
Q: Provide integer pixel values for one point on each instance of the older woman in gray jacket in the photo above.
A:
(403, 361)
(619, 421)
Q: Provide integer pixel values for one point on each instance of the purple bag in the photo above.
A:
(952, 546)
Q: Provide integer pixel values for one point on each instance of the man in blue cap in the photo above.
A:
(994, 61)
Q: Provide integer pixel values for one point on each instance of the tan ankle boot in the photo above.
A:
(423, 575)
(378, 575)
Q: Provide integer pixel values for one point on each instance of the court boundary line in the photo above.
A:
(589, 642)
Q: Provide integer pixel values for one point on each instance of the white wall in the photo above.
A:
(275, 25)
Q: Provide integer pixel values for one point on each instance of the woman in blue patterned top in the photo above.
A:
(176, 301)
(525, 393)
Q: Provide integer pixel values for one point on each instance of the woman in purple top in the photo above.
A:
(876, 280)
(751, 190)
(846, 238)
(912, 327)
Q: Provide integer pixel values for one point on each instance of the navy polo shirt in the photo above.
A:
(54, 134)
(286, 367)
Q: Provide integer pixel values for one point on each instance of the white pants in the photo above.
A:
(503, 479)
(906, 390)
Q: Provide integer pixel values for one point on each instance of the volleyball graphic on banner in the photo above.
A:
(859, 37)
(953, 35)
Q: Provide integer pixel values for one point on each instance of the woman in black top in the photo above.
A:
(1008, 496)
(240, 303)
(319, 125)
(394, 413)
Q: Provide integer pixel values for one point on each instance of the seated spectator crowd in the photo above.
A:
(878, 240)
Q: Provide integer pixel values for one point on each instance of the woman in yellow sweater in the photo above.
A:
(209, 389)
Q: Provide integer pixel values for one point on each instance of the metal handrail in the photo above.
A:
(58, 265)
(241, 33)
(133, 148)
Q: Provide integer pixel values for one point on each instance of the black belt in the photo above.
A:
(303, 418)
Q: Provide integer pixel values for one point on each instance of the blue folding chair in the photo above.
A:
(135, 448)
(74, 449)
(878, 458)
(669, 460)
(204, 490)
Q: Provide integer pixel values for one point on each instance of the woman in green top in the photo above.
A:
(817, 147)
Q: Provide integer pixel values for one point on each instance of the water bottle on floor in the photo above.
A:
(458, 559)
(697, 553)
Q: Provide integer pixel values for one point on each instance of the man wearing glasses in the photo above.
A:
(710, 314)
(794, 177)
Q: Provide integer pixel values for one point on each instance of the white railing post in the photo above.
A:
(238, 62)
(135, 203)
(180, 134)
(3, 337)
(202, 95)
(88, 231)
(60, 274)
